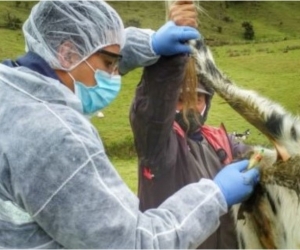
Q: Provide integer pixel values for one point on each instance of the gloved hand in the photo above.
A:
(171, 39)
(235, 184)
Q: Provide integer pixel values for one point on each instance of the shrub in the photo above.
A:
(249, 31)
(227, 19)
(12, 22)
(26, 4)
(17, 3)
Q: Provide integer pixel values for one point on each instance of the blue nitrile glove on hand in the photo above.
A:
(235, 184)
(171, 39)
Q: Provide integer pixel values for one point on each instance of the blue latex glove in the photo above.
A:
(235, 184)
(171, 39)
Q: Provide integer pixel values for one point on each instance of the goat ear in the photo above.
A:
(281, 151)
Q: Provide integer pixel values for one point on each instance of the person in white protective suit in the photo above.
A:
(58, 188)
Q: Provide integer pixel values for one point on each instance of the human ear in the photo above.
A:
(66, 54)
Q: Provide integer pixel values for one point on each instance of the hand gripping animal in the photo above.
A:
(271, 217)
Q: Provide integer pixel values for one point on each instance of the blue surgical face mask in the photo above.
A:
(99, 96)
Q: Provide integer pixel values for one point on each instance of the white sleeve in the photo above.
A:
(137, 51)
(74, 193)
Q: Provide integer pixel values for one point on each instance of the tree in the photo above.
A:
(249, 31)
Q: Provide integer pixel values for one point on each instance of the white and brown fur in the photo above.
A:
(271, 217)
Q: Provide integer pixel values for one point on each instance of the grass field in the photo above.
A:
(269, 64)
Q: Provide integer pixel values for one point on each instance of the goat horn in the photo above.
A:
(281, 151)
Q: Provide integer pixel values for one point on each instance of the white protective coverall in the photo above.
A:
(58, 188)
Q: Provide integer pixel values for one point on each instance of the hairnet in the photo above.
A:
(88, 25)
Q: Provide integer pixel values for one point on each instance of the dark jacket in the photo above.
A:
(167, 160)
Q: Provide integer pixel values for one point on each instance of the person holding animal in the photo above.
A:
(58, 188)
(174, 145)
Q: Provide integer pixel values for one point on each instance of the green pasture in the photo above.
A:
(269, 64)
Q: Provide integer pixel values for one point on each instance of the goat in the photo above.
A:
(270, 217)
(241, 136)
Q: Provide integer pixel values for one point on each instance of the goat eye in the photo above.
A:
(293, 133)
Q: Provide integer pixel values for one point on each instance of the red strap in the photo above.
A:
(218, 138)
(178, 129)
(147, 173)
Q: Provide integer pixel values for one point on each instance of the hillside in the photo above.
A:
(220, 24)
(221, 20)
